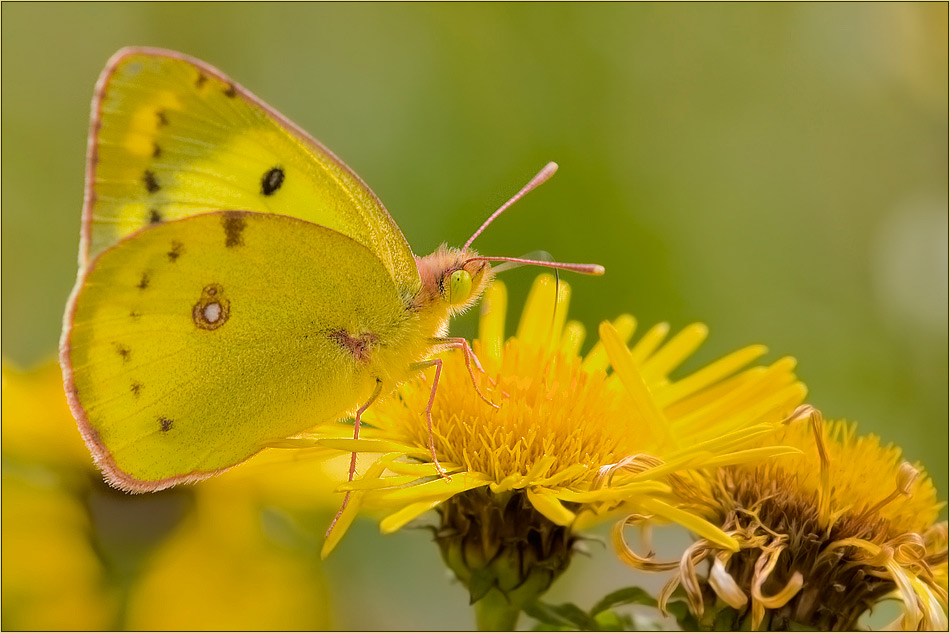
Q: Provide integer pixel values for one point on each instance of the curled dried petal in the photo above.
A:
(726, 586)
(628, 555)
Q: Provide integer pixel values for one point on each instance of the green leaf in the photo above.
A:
(610, 621)
(575, 615)
(543, 626)
(680, 610)
(546, 615)
(568, 616)
(561, 615)
(726, 620)
(627, 595)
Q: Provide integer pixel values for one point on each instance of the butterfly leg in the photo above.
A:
(470, 357)
(437, 362)
(356, 436)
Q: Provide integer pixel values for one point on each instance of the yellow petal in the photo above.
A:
(293, 442)
(572, 338)
(439, 488)
(658, 366)
(645, 410)
(342, 525)
(491, 325)
(364, 483)
(397, 520)
(750, 455)
(548, 505)
(712, 373)
(539, 315)
(421, 469)
(689, 521)
(614, 493)
(624, 326)
(649, 342)
(369, 446)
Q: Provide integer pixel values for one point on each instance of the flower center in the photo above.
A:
(548, 406)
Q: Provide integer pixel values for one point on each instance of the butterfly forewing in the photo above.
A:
(173, 137)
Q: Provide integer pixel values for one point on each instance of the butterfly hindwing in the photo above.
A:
(193, 342)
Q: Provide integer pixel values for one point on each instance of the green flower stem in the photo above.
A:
(495, 612)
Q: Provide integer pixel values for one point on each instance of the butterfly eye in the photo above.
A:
(460, 286)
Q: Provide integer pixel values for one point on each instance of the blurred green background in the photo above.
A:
(776, 171)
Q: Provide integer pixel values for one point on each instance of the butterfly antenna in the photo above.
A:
(539, 179)
(584, 269)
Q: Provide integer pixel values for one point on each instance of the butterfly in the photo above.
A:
(238, 284)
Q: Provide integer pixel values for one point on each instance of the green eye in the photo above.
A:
(460, 286)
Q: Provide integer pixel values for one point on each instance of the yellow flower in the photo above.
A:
(567, 446)
(824, 534)
(79, 555)
(52, 576)
(221, 570)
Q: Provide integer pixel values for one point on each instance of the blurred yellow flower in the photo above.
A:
(37, 420)
(52, 576)
(568, 444)
(221, 571)
(824, 534)
(78, 555)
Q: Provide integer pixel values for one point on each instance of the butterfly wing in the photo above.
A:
(173, 137)
(193, 342)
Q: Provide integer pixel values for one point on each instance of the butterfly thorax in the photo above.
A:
(391, 349)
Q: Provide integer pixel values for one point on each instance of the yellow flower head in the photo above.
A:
(825, 533)
(568, 443)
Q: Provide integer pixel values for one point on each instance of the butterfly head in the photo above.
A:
(454, 277)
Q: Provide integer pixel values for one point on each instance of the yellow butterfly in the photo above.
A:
(237, 283)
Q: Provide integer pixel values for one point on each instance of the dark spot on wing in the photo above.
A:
(156, 150)
(213, 308)
(272, 180)
(135, 314)
(143, 284)
(162, 119)
(137, 388)
(166, 424)
(200, 81)
(176, 251)
(151, 184)
(230, 92)
(234, 225)
(154, 217)
(123, 351)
